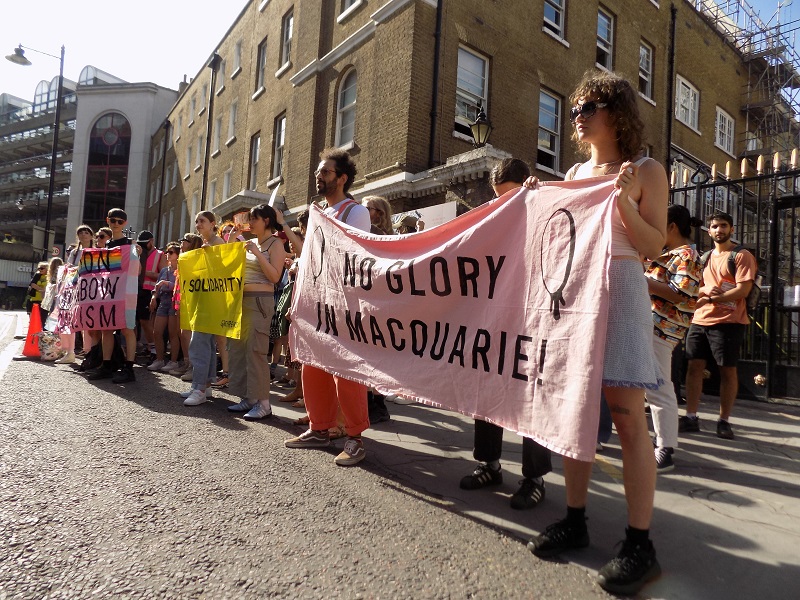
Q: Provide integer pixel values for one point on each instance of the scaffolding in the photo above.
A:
(771, 98)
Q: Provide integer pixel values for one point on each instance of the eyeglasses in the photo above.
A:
(173, 251)
(101, 236)
(324, 172)
(42, 268)
(116, 221)
(585, 110)
(185, 241)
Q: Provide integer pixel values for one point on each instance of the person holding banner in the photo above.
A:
(324, 391)
(116, 219)
(203, 346)
(250, 353)
(507, 175)
(189, 242)
(606, 119)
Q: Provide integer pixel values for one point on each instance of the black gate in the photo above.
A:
(764, 206)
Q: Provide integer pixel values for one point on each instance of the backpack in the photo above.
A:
(752, 299)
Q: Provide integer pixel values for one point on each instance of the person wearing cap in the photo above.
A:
(153, 261)
(116, 220)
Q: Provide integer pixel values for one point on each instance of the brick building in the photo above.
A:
(397, 83)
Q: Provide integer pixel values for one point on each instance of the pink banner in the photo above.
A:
(499, 314)
(107, 286)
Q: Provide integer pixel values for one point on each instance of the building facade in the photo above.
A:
(397, 83)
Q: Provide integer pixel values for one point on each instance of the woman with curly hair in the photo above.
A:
(608, 128)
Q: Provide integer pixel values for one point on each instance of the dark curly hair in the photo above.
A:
(620, 97)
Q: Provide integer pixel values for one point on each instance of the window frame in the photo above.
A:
(278, 145)
(466, 96)
(559, 7)
(604, 12)
(646, 76)
(343, 110)
(216, 134)
(731, 135)
(255, 157)
(261, 66)
(556, 134)
(227, 177)
(234, 110)
(285, 57)
(694, 124)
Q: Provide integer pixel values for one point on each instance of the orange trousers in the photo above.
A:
(324, 392)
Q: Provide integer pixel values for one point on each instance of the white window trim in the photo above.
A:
(648, 100)
(676, 112)
(287, 59)
(733, 131)
(258, 93)
(230, 140)
(285, 67)
(557, 152)
(555, 37)
(349, 11)
(551, 32)
(262, 5)
(611, 41)
(338, 141)
(275, 146)
(652, 68)
(274, 181)
(461, 136)
(485, 96)
(236, 71)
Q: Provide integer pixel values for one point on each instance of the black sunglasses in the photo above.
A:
(116, 221)
(585, 110)
(101, 236)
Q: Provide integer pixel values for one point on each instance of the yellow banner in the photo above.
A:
(211, 284)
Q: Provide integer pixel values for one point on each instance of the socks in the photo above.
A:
(691, 415)
(576, 516)
(494, 465)
(637, 537)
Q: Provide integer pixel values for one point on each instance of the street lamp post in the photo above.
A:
(18, 57)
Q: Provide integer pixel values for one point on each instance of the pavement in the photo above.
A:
(726, 522)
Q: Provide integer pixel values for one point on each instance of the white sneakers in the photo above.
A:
(67, 359)
(170, 366)
(156, 365)
(196, 397)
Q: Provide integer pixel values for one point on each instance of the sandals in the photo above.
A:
(301, 403)
(305, 420)
(337, 433)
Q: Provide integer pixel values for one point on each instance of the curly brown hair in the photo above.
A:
(622, 106)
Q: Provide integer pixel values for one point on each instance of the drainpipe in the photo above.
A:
(671, 72)
(437, 50)
(213, 64)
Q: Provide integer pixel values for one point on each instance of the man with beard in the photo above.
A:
(323, 391)
(719, 324)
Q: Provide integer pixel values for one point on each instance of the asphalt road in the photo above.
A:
(121, 491)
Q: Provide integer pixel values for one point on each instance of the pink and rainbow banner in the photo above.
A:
(499, 314)
(105, 289)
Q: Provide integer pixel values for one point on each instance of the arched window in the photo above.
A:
(107, 172)
(346, 110)
(41, 97)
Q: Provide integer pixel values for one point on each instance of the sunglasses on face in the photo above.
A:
(585, 110)
(172, 251)
(114, 221)
(324, 172)
(101, 236)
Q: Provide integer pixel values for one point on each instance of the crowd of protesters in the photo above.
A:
(651, 309)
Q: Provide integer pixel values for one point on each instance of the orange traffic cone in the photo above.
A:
(31, 348)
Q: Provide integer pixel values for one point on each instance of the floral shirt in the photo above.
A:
(679, 268)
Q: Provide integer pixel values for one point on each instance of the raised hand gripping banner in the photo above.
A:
(499, 314)
(211, 283)
(69, 286)
(108, 282)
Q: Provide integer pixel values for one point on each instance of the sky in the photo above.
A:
(144, 40)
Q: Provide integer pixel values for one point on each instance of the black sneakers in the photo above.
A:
(482, 476)
(634, 566)
(124, 375)
(688, 424)
(101, 372)
(558, 537)
(529, 494)
(724, 430)
(664, 462)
